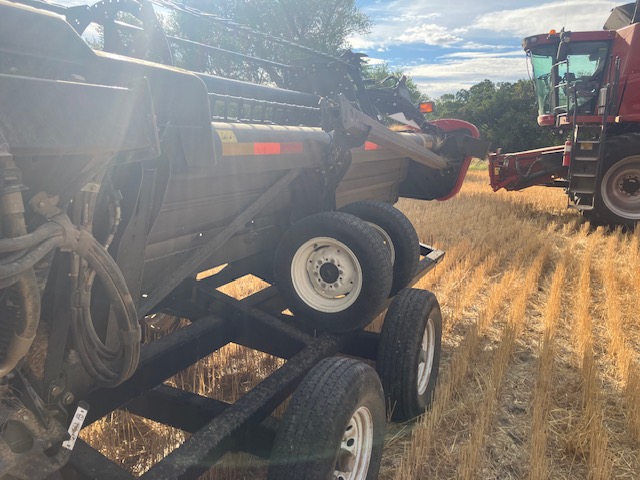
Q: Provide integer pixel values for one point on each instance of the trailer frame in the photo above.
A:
(217, 427)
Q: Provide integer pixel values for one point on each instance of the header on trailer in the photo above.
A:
(126, 171)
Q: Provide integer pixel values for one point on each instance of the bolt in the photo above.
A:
(68, 398)
(55, 390)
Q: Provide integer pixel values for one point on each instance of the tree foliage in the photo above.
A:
(380, 72)
(322, 25)
(505, 113)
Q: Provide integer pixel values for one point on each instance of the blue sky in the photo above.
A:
(449, 45)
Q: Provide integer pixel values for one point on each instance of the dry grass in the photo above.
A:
(540, 372)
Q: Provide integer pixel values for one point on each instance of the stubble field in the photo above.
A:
(540, 373)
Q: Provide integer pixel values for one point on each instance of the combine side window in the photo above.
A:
(586, 65)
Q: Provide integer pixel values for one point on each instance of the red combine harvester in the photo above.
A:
(587, 84)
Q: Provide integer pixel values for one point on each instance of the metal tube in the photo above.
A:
(356, 122)
(28, 293)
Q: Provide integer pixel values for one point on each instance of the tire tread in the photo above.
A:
(405, 322)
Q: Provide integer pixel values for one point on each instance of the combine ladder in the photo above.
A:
(588, 150)
(584, 173)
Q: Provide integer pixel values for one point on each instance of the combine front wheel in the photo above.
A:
(618, 201)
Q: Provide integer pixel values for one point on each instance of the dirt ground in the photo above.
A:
(540, 368)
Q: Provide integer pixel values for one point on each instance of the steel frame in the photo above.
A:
(217, 427)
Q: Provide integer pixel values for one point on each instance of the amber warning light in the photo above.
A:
(427, 107)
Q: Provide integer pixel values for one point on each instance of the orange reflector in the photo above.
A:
(552, 31)
(427, 107)
(371, 146)
(546, 120)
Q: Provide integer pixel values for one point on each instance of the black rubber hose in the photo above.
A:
(26, 287)
(27, 261)
(30, 240)
(16, 271)
(96, 356)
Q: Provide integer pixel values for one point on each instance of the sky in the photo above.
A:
(449, 45)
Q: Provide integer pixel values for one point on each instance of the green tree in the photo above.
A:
(505, 113)
(322, 25)
(381, 72)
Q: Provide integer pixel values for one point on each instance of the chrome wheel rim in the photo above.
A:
(425, 359)
(621, 188)
(326, 275)
(356, 447)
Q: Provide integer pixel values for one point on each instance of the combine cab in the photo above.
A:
(123, 178)
(587, 84)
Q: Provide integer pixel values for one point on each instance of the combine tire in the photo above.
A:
(334, 426)
(398, 234)
(409, 353)
(618, 199)
(333, 271)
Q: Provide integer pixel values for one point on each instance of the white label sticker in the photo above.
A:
(75, 427)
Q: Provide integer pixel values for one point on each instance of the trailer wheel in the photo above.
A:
(398, 234)
(618, 200)
(409, 353)
(334, 426)
(333, 271)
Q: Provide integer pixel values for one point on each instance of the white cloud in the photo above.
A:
(574, 15)
(484, 46)
(388, 35)
(474, 69)
(434, 79)
(473, 40)
(476, 54)
(358, 42)
(437, 89)
(474, 21)
(374, 61)
(429, 34)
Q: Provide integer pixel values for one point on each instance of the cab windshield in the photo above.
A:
(542, 60)
(573, 83)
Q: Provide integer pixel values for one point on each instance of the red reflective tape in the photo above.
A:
(266, 148)
(371, 146)
(273, 148)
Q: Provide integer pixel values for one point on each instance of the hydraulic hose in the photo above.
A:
(108, 366)
(96, 357)
(29, 259)
(26, 284)
(30, 240)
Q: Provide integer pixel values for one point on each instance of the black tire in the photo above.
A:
(336, 395)
(617, 201)
(401, 236)
(333, 271)
(409, 390)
